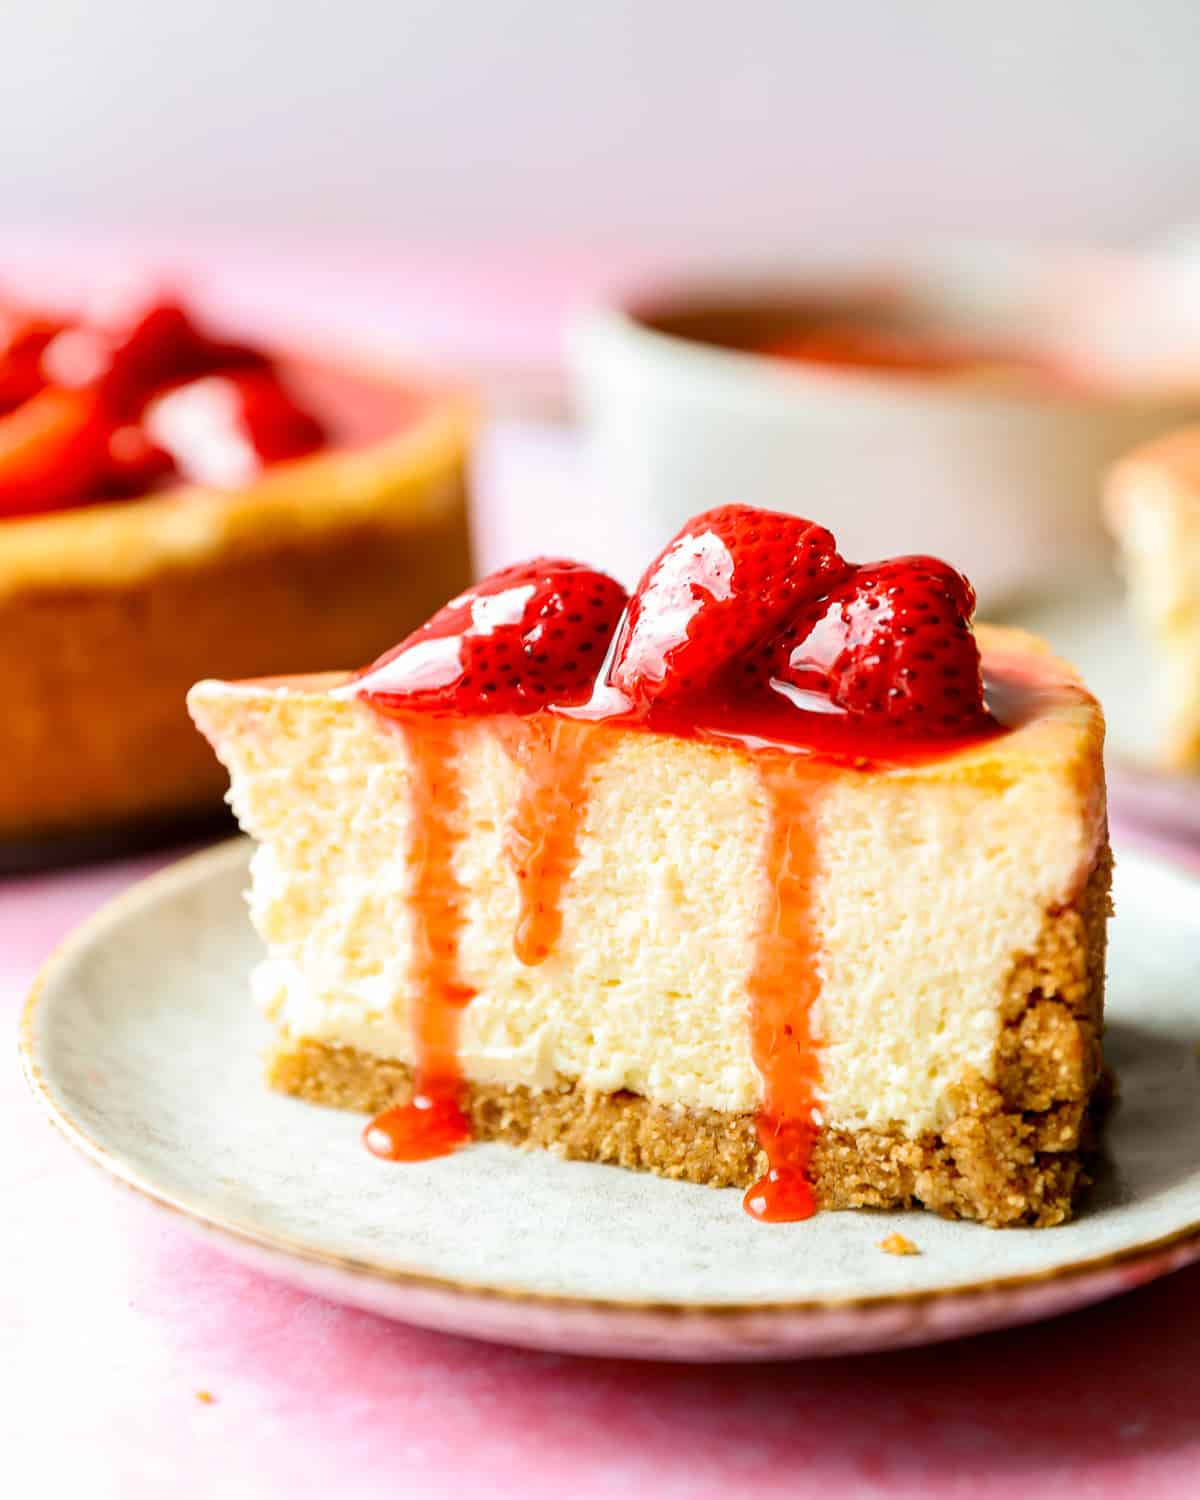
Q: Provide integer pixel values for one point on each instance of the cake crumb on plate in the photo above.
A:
(898, 1244)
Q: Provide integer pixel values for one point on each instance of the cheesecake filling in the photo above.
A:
(920, 905)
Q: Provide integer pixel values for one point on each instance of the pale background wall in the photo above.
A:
(730, 124)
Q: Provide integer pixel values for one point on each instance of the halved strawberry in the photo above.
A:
(531, 634)
(276, 426)
(727, 580)
(222, 429)
(891, 644)
(52, 449)
(23, 340)
(137, 351)
(134, 465)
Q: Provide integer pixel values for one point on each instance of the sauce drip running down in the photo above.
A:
(433, 1121)
(542, 840)
(784, 986)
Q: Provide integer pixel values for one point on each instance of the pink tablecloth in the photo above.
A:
(136, 1362)
(115, 1326)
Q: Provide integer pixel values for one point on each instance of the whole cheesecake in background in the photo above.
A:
(172, 503)
(776, 875)
(1152, 502)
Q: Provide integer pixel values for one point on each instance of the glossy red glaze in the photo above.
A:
(553, 758)
(134, 464)
(23, 341)
(526, 636)
(52, 451)
(432, 1122)
(785, 984)
(762, 718)
(221, 430)
(727, 581)
(783, 1194)
(745, 602)
(74, 398)
(156, 346)
(890, 644)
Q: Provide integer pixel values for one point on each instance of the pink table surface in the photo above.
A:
(113, 1320)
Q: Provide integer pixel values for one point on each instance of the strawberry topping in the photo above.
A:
(53, 448)
(23, 341)
(221, 429)
(891, 644)
(119, 406)
(144, 348)
(748, 625)
(529, 635)
(135, 464)
(731, 577)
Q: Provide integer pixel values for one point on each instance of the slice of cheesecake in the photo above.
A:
(1152, 501)
(691, 922)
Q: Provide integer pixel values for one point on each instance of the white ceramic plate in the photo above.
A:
(141, 1043)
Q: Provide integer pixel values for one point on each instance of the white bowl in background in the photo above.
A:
(996, 473)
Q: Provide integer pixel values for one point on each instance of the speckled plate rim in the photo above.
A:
(1069, 1285)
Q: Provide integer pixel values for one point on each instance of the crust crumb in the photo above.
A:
(897, 1244)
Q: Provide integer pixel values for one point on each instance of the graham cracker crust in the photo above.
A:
(1016, 1151)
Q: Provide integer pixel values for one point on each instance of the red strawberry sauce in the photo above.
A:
(432, 1122)
(553, 756)
(554, 746)
(109, 409)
